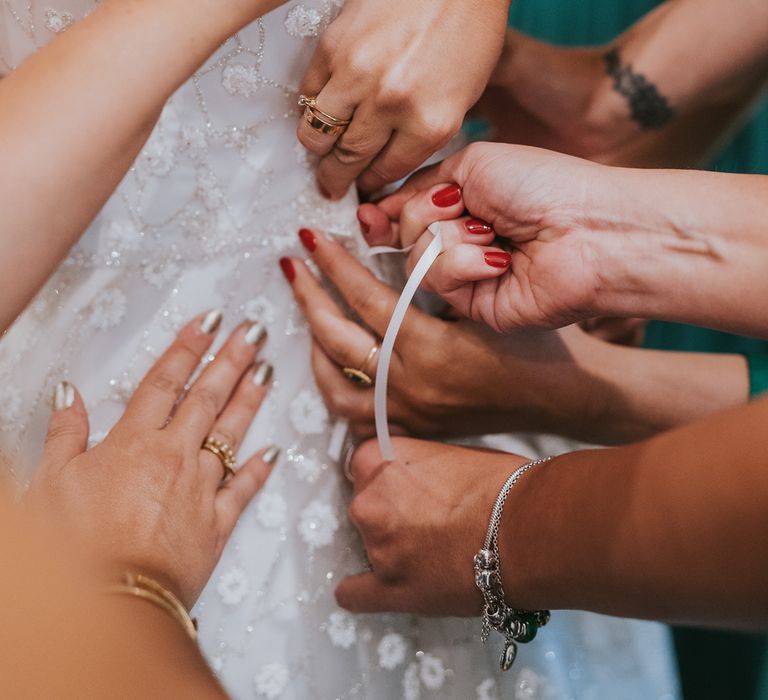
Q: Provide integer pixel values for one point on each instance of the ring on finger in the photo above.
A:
(224, 453)
(359, 375)
(322, 121)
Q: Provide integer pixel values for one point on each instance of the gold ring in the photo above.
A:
(225, 454)
(359, 375)
(322, 121)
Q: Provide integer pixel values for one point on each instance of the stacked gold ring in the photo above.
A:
(225, 454)
(359, 375)
(322, 121)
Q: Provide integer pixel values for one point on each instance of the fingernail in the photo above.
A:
(365, 228)
(286, 264)
(498, 259)
(256, 333)
(308, 240)
(477, 227)
(447, 197)
(271, 455)
(63, 396)
(211, 322)
(263, 374)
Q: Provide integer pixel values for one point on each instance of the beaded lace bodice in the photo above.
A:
(214, 199)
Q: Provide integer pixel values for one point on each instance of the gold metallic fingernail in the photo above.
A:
(256, 333)
(63, 396)
(271, 455)
(211, 322)
(262, 374)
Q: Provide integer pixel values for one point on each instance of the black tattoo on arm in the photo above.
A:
(647, 106)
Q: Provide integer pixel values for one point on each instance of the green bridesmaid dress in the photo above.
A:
(713, 665)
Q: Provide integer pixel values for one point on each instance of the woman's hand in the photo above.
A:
(545, 210)
(446, 377)
(422, 519)
(406, 74)
(148, 499)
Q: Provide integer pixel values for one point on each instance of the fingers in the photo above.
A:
(237, 493)
(365, 593)
(67, 435)
(403, 154)
(463, 264)
(211, 392)
(371, 299)
(365, 137)
(440, 203)
(335, 102)
(376, 226)
(343, 399)
(236, 418)
(344, 341)
(160, 389)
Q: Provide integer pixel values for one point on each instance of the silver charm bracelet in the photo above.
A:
(517, 626)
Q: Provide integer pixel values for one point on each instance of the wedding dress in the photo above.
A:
(214, 199)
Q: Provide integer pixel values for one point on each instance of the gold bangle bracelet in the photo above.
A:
(140, 586)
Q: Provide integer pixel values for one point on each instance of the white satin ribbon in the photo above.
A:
(388, 344)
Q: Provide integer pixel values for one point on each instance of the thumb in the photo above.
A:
(365, 593)
(67, 428)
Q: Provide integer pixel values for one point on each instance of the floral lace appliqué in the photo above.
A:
(308, 413)
(233, 586)
(342, 629)
(318, 524)
(271, 681)
(392, 651)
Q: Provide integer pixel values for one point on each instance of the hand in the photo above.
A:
(405, 73)
(148, 499)
(446, 378)
(422, 519)
(561, 233)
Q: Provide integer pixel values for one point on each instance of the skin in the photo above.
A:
(388, 68)
(452, 378)
(671, 528)
(146, 500)
(47, 204)
(588, 240)
(577, 110)
(140, 498)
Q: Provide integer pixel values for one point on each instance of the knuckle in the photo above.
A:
(436, 128)
(351, 154)
(359, 514)
(164, 382)
(64, 430)
(205, 400)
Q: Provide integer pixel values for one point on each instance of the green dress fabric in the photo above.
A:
(713, 665)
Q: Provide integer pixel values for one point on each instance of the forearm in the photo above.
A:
(64, 637)
(681, 246)
(74, 116)
(628, 393)
(672, 528)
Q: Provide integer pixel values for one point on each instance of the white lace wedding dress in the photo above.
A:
(214, 200)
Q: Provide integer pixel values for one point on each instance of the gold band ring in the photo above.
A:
(322, 121)
(225, 454)
(359, 375)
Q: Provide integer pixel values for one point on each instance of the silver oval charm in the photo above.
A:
(509, 655)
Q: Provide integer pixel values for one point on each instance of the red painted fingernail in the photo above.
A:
(286, 264)
(477, 226)
(499, 260)
(365, 228)
(308, 240)
(448, 197)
